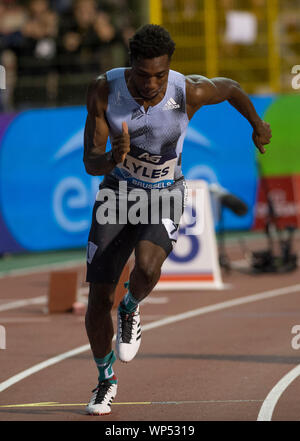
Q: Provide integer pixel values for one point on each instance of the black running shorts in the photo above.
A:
(121, 218)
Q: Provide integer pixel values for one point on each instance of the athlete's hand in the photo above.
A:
(262, 135)
(121, 144)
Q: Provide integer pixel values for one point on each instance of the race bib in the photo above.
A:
(148, 170)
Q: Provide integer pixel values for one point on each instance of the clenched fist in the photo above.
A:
(262, 135)
(121, 144)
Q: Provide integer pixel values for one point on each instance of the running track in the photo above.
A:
(205, 356)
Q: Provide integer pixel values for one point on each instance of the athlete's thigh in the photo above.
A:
(149, 255)
(109, 247)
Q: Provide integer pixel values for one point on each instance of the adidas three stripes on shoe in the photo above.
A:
(128, 334)
(102, 398)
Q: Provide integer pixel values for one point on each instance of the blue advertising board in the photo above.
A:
(46, 197)
(219, 149)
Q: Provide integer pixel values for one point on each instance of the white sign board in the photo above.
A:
(194, 262)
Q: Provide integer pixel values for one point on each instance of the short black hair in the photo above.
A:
(151, 41)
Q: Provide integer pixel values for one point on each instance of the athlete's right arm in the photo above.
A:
(98, 162)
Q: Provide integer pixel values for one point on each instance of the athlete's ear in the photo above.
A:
(124, 128)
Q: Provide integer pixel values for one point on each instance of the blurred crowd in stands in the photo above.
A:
(51, 49)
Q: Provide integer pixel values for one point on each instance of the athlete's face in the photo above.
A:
(150, 76)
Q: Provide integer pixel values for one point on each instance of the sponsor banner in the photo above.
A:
(194, 263)
(218, 148)
(46, 197)
(283, 153)
(296, 186)
(7, 241)
(283, 193)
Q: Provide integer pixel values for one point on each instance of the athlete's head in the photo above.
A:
(151, 41)
(150, 49)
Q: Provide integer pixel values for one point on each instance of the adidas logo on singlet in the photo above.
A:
(171, 104)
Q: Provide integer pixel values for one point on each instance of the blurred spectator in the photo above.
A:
(12, 18)
(53, 48)
(39, 31)
(124, 16)
(86, 36)
(61, 6)
(36, 54)
(83, 34)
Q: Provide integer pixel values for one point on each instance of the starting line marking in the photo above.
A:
(143, 403)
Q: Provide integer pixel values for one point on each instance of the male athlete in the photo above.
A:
(144, 110)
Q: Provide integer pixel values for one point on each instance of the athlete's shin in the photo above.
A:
(98, 320)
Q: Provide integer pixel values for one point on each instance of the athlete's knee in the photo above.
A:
(148, 268)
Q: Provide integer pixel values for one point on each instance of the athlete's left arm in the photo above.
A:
(201, 91)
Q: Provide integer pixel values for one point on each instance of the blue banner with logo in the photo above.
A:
(219, 149)
(46, 197)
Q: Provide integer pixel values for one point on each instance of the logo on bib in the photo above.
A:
(150, 158)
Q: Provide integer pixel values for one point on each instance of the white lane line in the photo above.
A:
(268, 406)
(155, 300)
(25, 320)
(82, 292)
(38, 367)
(41, 268)
(166, 321)
(20, 303)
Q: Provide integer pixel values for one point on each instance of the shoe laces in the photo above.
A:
(102, 390)
(127, 322)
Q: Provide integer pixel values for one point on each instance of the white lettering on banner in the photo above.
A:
(288, 208)
(2, 337)
(282, 205)
(64, 195)
(2, 77)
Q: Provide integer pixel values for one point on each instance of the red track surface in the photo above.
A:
(218, 366)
